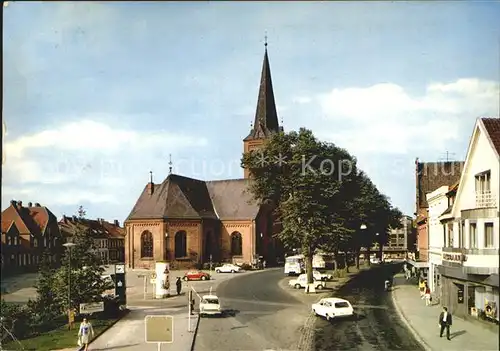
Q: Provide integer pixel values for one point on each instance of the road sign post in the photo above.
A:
(120, 284)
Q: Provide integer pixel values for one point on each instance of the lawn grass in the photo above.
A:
(59, 338)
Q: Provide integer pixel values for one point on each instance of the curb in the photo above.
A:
(408, 325)
(81, 348)
(195, 333)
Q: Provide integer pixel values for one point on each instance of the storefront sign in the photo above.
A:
(454, 257)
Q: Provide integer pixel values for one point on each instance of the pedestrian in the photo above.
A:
(264, 264)
(445, 323)
(421, 287)
(427, 295)
(178, 283)
(85, 333)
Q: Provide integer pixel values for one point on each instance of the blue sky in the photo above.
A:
(98, 94)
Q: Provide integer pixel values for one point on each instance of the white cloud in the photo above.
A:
(84, 161)
(386, 118)
(302, 100)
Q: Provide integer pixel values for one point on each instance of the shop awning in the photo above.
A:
(418, 264)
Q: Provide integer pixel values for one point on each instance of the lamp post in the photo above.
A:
(69, 246)
(367, 254)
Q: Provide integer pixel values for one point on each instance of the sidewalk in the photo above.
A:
(129, 333)
(423, 323)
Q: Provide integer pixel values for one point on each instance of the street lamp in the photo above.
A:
(363, 227)
(69, 246)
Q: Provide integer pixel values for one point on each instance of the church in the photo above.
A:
(187, 222)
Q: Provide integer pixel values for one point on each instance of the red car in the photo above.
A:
(196, 275)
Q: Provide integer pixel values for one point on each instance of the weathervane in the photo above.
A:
(170, 164)
(265, 39)
(151, 176)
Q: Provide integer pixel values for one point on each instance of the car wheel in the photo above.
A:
(185, 278)
(320, 287)
(232, 270)
(297, 286)
(315, 313)
(203, 278)
(328, 318)
(217, 271)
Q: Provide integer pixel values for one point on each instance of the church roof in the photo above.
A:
(181, 197)
(266, 116)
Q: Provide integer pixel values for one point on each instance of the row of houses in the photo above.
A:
(457, 221)
(29, 231)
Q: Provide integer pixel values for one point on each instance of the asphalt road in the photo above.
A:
(259, 315)
(377, 326)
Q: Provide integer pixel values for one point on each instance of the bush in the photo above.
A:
(17, 319)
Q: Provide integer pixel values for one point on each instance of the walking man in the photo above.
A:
(445, 323)
(178, 283)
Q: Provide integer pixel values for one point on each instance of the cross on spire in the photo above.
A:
(170, 164)
(265, 39)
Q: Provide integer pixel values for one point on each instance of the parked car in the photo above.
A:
(210, 305)
(321, 276)
(228, 268)
(301, 282)
(196, 275)
(333, 307)
(375, 260)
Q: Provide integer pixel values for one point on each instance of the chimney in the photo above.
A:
(151, 185)
(65, 219)
(30, 204)
(117, 223)
(37, 204)
(100, 220)
(13, 203)
(20, 204)
(74, 218)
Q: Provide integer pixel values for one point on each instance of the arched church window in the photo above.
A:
(236, 244)
(146, 244)
(180, 244)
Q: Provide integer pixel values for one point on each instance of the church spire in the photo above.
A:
(266, 116)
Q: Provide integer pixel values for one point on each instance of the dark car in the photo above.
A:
(196, 275)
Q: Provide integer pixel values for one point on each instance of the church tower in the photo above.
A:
(266, 117)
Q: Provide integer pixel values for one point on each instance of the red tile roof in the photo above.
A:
(492, 126)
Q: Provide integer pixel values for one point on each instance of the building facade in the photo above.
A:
(188, 222)
(400, 240)
(108, 238)
(429, 177)
(438, 203)
(469, 269)
(27, 233)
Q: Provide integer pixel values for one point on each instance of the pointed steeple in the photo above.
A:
(266, 117)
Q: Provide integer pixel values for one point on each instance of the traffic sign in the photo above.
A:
(91, 307)
(159, 329)
(119, 268)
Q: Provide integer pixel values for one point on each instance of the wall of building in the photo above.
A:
(134, 230)
(247, 231)
(481, 158)
(250, 146)
(438, 203)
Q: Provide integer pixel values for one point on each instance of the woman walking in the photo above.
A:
(85, 333)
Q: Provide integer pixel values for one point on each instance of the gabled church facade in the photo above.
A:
(186, 221)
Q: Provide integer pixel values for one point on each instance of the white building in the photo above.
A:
(469, 269)
(438, 203)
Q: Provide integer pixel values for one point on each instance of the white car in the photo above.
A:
(333, 307)
(321, 276)
(301, 282)
(375, 260)
(228, 268)
(210, 304)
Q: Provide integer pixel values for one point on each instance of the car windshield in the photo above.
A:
(341, 305)
(211, 301)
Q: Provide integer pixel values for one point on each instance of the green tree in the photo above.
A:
(308, 183)
(46, 306)
(85, 274)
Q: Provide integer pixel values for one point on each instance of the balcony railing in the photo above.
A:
(485, 199)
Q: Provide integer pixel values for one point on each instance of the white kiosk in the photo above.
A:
(162, 270)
